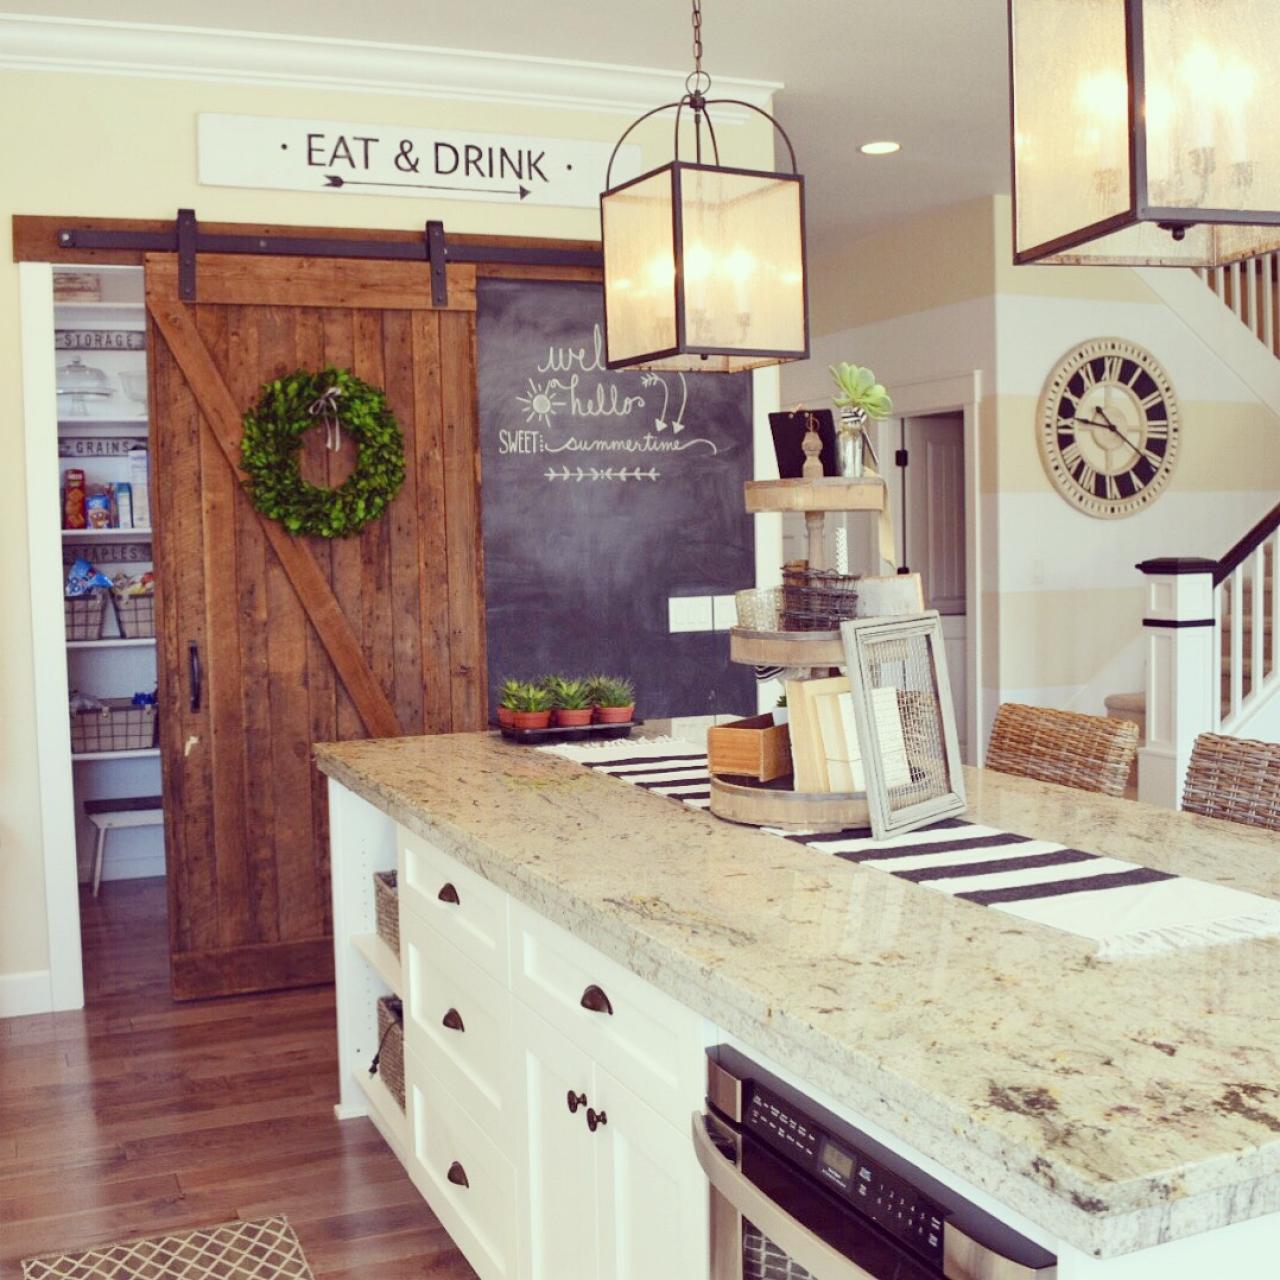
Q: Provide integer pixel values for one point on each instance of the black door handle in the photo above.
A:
(458, 1175)
(449, 894)
(575, 1101)
(453, 1020)
(193, 666)
(596, 1119)
(595, 1000)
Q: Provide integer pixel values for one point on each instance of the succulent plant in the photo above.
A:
(509, 692)
(570, 695)
(612, 691)
(532, 697)
(857, 388)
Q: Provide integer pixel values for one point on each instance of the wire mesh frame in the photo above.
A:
(905, 653)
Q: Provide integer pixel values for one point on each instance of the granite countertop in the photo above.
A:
(1116, 1104)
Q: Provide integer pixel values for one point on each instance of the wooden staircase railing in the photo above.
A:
(1213, 651)
(1250, 289)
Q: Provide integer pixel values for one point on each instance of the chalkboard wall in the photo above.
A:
(605, 494)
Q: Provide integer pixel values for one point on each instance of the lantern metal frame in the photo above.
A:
(699, 104)
(1176, 220)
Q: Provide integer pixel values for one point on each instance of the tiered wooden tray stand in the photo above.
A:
(777, 804)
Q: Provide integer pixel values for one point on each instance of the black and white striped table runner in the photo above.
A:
(1127, 909)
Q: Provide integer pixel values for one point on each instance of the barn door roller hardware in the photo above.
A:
(187, 240)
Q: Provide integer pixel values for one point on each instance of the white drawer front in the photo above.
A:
(463, 906)
(458, 1022)
(650, 1042)
(465, 1179)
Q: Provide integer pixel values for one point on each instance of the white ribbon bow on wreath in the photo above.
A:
(325, 407)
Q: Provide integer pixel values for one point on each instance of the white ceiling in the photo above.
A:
(930, 74)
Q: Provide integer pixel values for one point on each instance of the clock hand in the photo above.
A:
(1110, 426)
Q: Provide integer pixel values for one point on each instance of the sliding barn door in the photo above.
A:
(269, 643)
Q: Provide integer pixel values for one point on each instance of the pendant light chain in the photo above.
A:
(699, 82)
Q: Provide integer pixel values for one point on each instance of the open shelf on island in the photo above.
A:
(775, 804)
(786, 648)
(823, 493)
(385, 1113)
(384, 962)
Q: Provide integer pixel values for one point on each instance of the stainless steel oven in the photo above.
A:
(797, 1194)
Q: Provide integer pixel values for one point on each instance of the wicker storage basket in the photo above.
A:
(84, 616)
(391, 1054)
(120, 727)
(137, 616)
(386, 902)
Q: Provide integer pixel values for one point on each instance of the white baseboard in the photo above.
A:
(22, 994)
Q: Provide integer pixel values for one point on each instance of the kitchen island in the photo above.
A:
(1123, 1114)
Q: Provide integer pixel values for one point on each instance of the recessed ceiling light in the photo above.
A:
(880, 148)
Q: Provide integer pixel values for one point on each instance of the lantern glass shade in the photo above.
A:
(704, 269)
(1142, 131)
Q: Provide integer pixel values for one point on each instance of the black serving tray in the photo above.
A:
(559, 733)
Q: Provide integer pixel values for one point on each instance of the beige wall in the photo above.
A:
(111, 146)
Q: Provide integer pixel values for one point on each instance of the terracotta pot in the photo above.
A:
(531, 719)
(615, 715)
(570, 718)
(506, 717)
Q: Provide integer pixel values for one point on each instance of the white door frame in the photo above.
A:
(960, 394)
(48, 637)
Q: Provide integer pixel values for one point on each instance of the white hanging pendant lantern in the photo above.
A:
(1143, 131)
(704, 265)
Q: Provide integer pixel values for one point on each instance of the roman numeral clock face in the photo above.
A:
(1109, 428)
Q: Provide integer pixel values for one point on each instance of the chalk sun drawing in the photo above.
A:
(541, 404)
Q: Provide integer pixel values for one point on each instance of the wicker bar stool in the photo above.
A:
(1236, 779)
(1090, 753)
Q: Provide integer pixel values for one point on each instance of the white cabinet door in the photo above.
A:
(558, 1227)
(653, 1200)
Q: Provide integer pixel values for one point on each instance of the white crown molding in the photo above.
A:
(33, 43)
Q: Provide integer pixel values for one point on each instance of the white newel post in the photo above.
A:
(1182, 673)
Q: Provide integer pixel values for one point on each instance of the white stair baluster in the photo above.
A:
(1236, 657)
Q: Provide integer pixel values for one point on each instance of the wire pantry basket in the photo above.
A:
(119, 726)
(816, 599)
(137, 615)
(84, 615)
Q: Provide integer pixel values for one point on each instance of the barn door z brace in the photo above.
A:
(187, 240)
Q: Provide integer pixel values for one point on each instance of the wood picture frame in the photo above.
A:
(906, 653)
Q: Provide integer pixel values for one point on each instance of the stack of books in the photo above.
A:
(825, 748)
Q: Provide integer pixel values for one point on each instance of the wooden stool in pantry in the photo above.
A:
(121, 811)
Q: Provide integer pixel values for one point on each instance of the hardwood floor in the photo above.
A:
(139, 1116)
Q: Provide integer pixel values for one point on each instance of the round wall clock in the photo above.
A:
(1109, 428)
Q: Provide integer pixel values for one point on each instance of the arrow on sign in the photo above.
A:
(596, 473)
(335, 180)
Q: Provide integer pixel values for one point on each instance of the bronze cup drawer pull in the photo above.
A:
(449, 894)
(453, 1020)
(596, 1119)
(595, 1000)
(458, 1175)
(575, 1101)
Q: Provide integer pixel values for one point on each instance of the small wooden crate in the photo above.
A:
(386, 903)
(751, 748)
(391, 1054)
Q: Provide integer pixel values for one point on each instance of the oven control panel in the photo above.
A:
(880, 1195)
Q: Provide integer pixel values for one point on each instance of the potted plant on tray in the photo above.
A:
(572, 702)
(614, 699)
(507, 696)
(531, 707)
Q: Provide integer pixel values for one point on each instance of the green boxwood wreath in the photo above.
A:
(272, 442)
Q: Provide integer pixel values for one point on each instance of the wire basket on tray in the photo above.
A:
(84, 615)
(816, 599)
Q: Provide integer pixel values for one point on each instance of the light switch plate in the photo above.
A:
(689, 613)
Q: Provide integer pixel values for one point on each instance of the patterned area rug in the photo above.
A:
(263, 1250)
